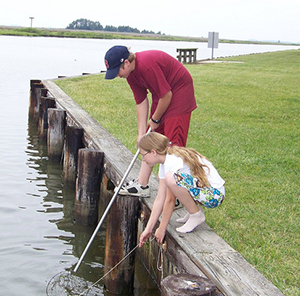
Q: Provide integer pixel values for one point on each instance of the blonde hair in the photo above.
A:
(160, 144)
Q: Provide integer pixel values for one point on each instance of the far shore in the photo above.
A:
(67, 33)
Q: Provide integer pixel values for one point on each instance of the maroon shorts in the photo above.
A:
(176, 129)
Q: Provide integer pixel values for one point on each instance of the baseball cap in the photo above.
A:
(114, 57)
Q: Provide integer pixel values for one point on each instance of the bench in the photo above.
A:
(187, 55)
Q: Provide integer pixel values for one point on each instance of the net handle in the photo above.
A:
(108, 207)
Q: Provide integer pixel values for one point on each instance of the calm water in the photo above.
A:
(38, 238)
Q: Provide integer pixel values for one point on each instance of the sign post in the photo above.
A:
(213, 42)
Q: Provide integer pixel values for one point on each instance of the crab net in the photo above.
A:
(67, 283)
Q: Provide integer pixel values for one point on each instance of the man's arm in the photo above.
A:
(161, 108)
(142, 110)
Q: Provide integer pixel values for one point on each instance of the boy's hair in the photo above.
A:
(130, 58)
(160, 144)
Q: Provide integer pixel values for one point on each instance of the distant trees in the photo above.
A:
(128, 29)
(111, 29)
(84, 24)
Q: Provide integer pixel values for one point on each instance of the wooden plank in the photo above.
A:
(230, 272)
(201, 252)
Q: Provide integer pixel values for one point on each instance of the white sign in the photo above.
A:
(213, 39)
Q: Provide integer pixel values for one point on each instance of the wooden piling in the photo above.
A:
(56, 133)
(73, 142)
(90, 167)
(34, 83)
(187, 285)
(34, 105)
(45, 104)
(121, 239)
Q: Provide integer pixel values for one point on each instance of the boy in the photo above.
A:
(173, 99)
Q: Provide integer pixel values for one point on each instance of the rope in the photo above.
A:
(160, 268)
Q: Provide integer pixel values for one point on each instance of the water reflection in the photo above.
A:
(69, 238)
(58, 204)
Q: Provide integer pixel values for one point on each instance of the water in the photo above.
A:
(38, 237)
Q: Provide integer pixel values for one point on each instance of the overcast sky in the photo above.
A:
(277, 20)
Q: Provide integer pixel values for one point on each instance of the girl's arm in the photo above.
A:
(166, 216)
(156, 211)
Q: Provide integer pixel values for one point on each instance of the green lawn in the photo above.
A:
(247, 124)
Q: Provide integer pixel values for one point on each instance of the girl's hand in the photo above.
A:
(160, 234)
(144, 237)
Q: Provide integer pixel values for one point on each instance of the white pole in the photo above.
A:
(213, 45)
(108, 207)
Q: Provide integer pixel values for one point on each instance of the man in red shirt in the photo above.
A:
(173, 99)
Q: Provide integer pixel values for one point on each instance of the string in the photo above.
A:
(111, 269)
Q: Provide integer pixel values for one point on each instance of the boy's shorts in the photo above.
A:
(208, 197)
(176, 129)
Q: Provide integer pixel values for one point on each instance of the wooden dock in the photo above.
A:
(201, 252)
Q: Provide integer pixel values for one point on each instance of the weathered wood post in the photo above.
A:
(187, 285)
(34, 83)
(73, 142)
(121, 239)
(37, 92)
(45, 103)
(90, 168)
(56, 133)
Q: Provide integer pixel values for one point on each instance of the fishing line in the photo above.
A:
(111, 269)
(64, 283)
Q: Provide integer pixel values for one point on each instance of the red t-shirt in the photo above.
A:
(159, 73)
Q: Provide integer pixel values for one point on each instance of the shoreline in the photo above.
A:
(67, 33)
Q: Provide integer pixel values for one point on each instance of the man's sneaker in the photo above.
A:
(134, 188)
(178, 205)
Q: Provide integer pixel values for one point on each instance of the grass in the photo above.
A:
(247, 123)
(67, 33)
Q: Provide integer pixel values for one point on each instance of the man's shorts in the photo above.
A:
(176, 129)
(208, 197)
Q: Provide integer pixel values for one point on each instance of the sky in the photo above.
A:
(263, 20)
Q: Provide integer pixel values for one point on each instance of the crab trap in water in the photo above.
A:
(67, 283)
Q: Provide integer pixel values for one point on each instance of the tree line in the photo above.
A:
(84, 24)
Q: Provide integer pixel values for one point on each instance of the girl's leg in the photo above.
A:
(193, 221)
(182, 194)
(187, 216)
(183, 219)
(196, 216)
(144, 174)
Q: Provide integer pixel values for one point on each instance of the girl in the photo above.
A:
(183, 174)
